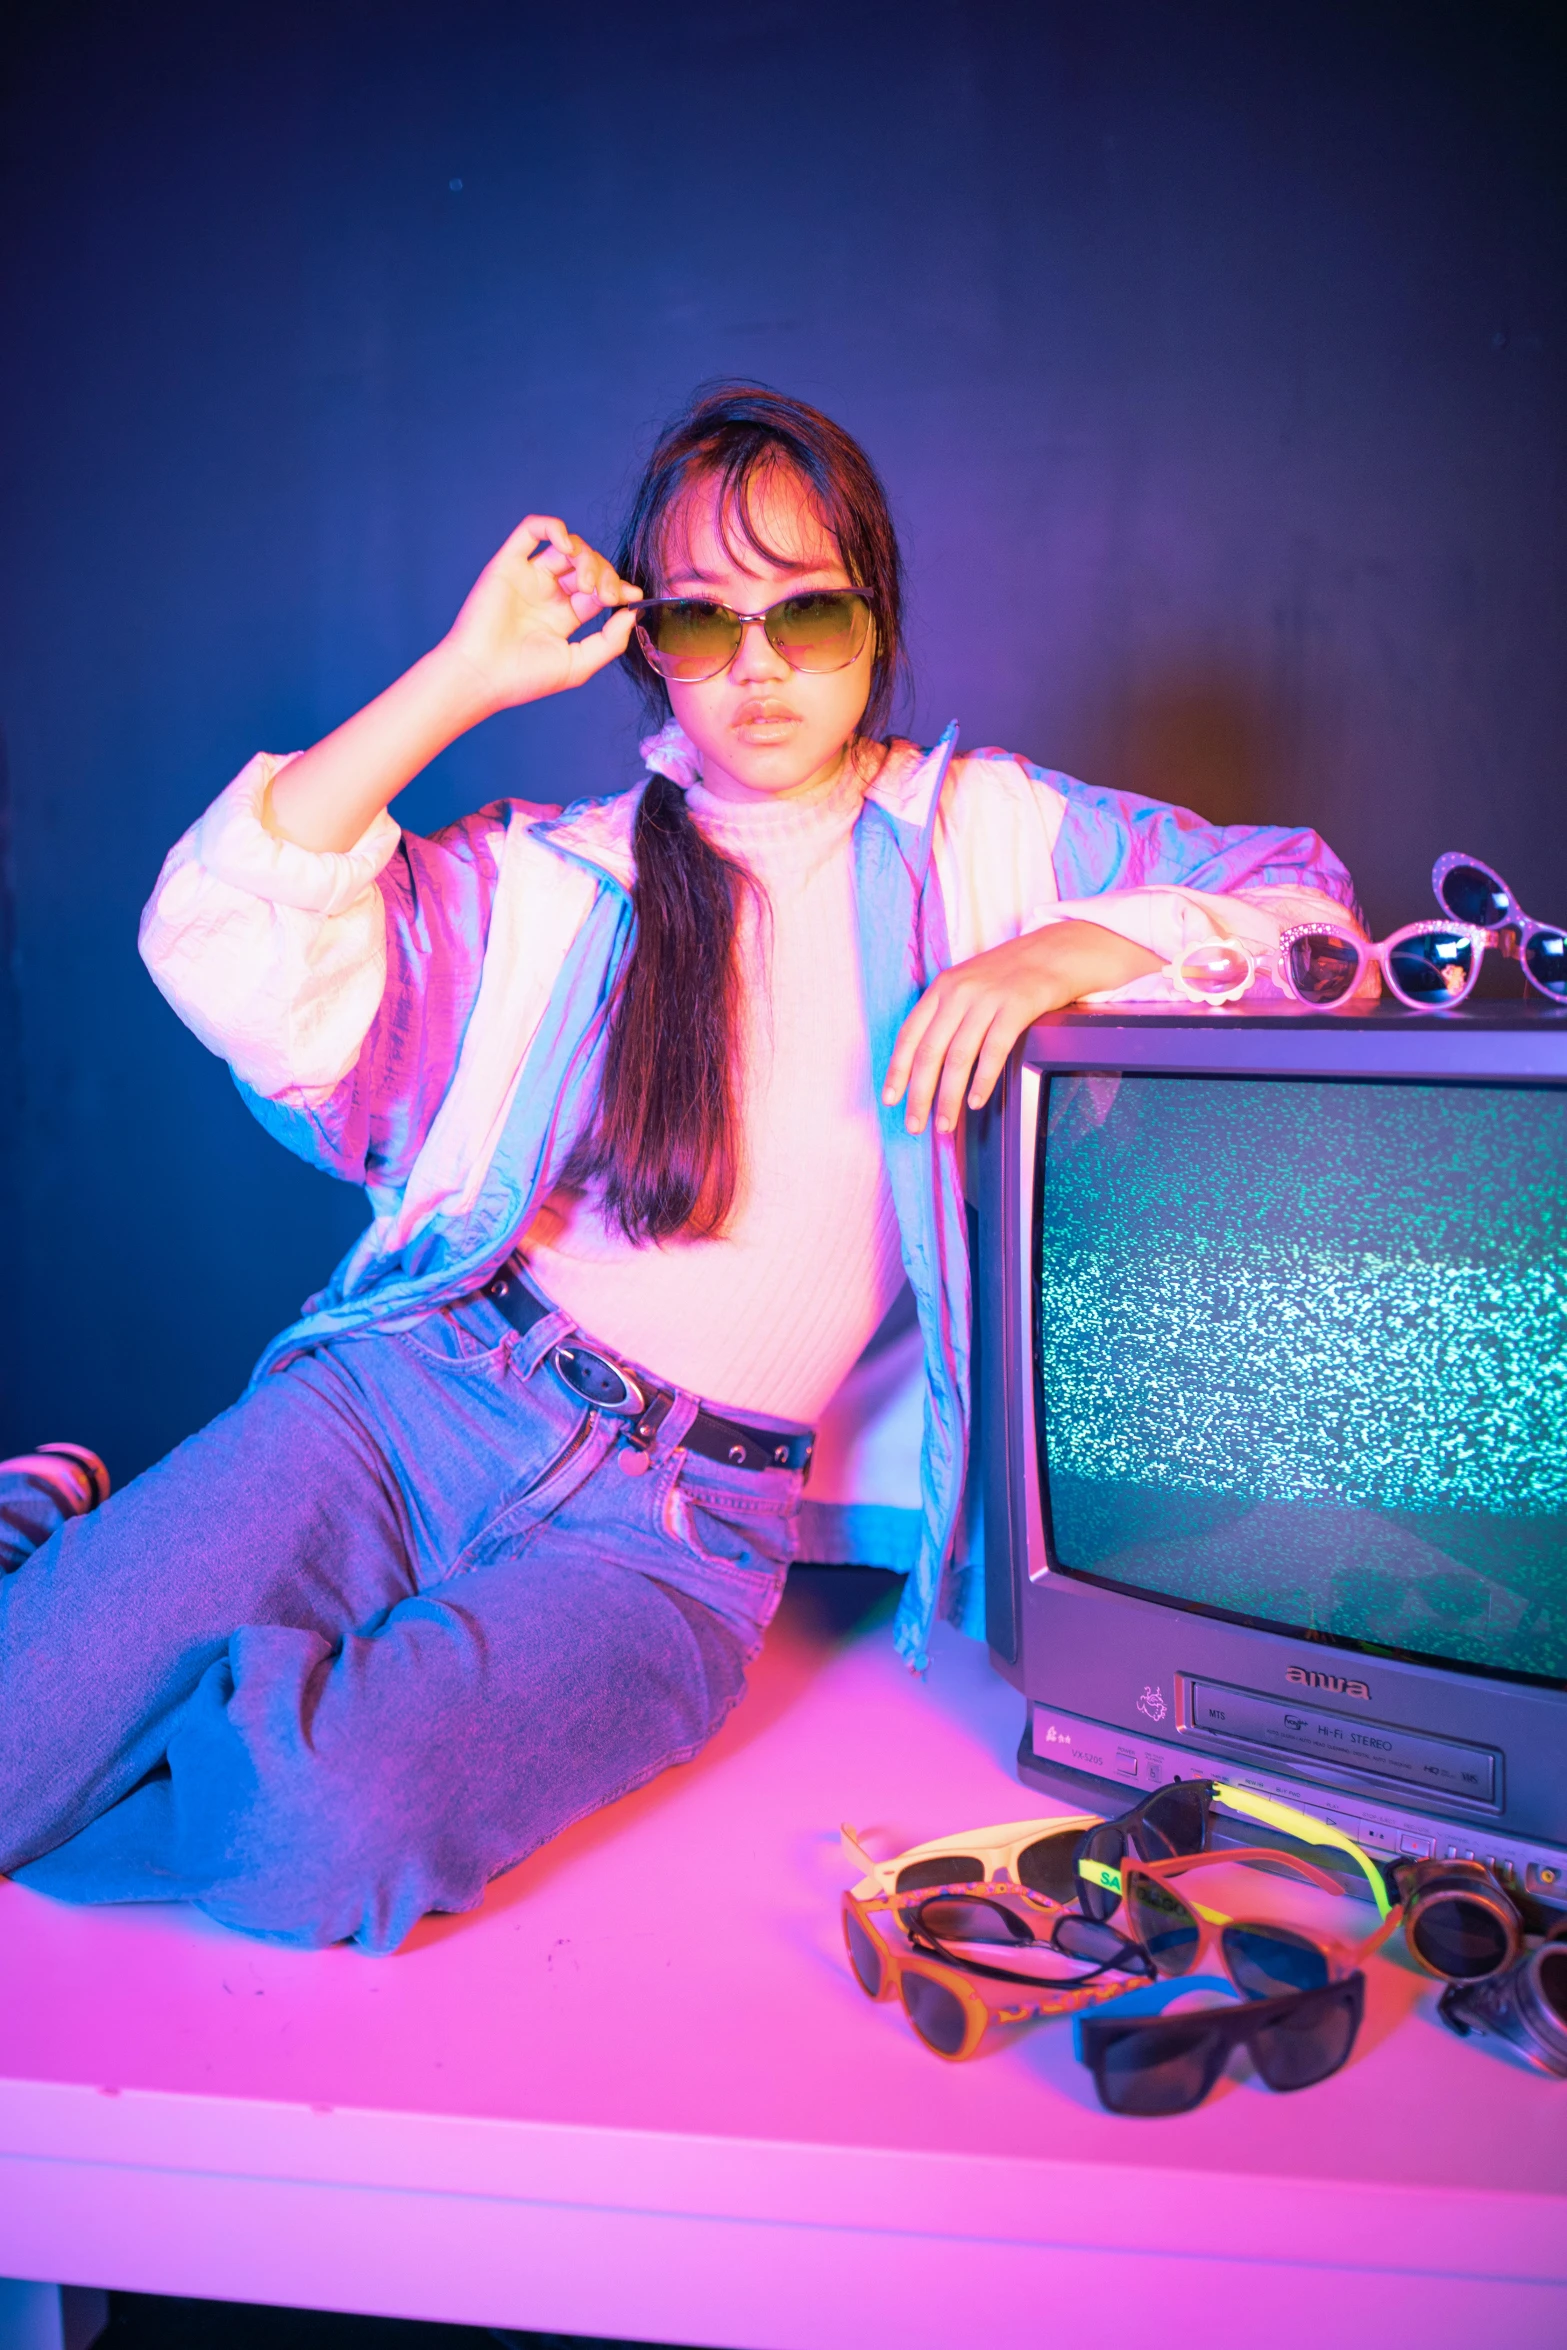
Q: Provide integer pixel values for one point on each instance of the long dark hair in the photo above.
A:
(664, 1146)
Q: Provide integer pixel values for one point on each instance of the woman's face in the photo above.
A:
(764, 730)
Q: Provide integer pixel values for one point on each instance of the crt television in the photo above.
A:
(1271, 1415)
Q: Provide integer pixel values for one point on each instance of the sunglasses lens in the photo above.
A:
(1163, 1925)
(1472, 895)
(1545, 960)
(957, 1920)
(1432, 967)
(864, 1956)
(1049, 1866)
(1155, 2068)
(1215, 970)
(1312, 2041)
(1267, 1961)
(947, 1868)
(819, 632)
(1086, 1938)
(936, 2012)
(1175, 1820)
(1462, 1939)
(689, 641)
(1323, 968)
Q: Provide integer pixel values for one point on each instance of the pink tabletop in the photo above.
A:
(655, 2015)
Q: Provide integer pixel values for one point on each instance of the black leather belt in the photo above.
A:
(598, 1379)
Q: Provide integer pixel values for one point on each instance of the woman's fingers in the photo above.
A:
(536, 531)
(958, 1060)
(909, 1035)
(942, 1034)
(954, 1044)
(592, 583)
(957, 1038)
(1000, 1037)
(586, 579)
(596, 652)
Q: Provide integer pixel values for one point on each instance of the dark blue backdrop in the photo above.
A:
(1213, 356)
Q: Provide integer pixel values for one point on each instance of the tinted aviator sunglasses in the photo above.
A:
(1164, 1930)
(690, 641)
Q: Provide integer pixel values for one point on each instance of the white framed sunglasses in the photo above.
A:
(1473, 891)
(1430, 966)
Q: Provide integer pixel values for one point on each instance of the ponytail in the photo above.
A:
(664, 1149)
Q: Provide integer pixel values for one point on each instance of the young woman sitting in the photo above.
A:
(656, 1101)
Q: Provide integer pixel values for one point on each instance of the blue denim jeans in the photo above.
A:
(375, 1634)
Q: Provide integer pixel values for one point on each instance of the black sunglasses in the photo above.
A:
(1173, 1820)
(940, 1919)
(1154, 2065)
(690, 641)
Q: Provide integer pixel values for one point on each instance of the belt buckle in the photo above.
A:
(595, 1379)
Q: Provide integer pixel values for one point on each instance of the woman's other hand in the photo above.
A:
(513, 632)
(956, 1040)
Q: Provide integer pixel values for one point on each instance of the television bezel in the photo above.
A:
(1508, 1045)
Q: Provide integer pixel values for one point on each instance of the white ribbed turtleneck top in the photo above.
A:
(771, 1315)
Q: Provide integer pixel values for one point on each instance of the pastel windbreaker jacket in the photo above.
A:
(427, 1018)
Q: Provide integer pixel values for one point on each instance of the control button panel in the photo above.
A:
(1410, 1756)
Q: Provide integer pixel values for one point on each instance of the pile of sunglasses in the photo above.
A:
(1430, 966)
(1114, 1902)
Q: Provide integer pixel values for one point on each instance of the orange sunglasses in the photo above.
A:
(1261, 1957)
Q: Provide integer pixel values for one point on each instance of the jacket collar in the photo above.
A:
(909, 785)
(598, 832)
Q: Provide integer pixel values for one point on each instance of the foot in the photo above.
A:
(76, 1477)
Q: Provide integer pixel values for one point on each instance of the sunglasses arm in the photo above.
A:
(1384, 1933)
(876, 1875)
(1306, 1830)
(1265, 1855)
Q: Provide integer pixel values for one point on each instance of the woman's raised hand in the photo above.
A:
(510, 643)
(514, 630)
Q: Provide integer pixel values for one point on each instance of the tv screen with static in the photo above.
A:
(1301, 1353)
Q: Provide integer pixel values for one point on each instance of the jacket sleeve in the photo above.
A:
(336, 986)
(1167, 878)
(1018, 847)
